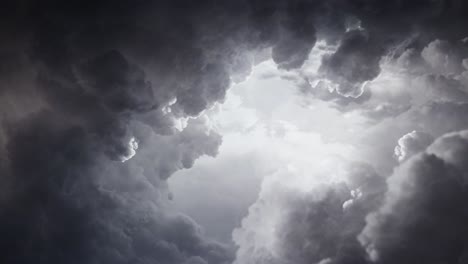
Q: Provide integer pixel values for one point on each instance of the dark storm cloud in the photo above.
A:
(389, 28)
(355, 62)
(69, 199)
(424, 214)
(297, 37)
(70, 204)
(120, 86)
(79, 80)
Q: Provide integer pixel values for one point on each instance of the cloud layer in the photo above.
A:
(102, 101)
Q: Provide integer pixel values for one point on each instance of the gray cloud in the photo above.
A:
(320, 225)
(423, 216)
(80, 79)
(297, 37)
(355, 62)
(73, 205)
(411, 144)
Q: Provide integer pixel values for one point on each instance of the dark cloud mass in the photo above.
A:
(355, 62)
(424, 214)
(92, 92)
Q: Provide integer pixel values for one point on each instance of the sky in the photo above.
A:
(234, 132)
(267, 127)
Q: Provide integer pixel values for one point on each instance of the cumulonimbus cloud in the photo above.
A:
(79, 80)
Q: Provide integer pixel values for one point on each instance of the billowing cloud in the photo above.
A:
(73, 204)
(411, 144)
(423, 216)
(290, 226)
(86, 85)
(355, 62)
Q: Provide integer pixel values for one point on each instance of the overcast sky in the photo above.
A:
(234, 132)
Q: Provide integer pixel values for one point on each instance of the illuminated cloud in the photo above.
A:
(411, 144)
(131, 149)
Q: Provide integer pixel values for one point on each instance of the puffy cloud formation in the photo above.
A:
(69, 202)
(411, 144)
(424, 214)
(355, 62)
(417, 215)
(85, 85)
(415, 82)
(316, 226)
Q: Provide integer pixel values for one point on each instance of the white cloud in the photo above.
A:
(132, 147)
